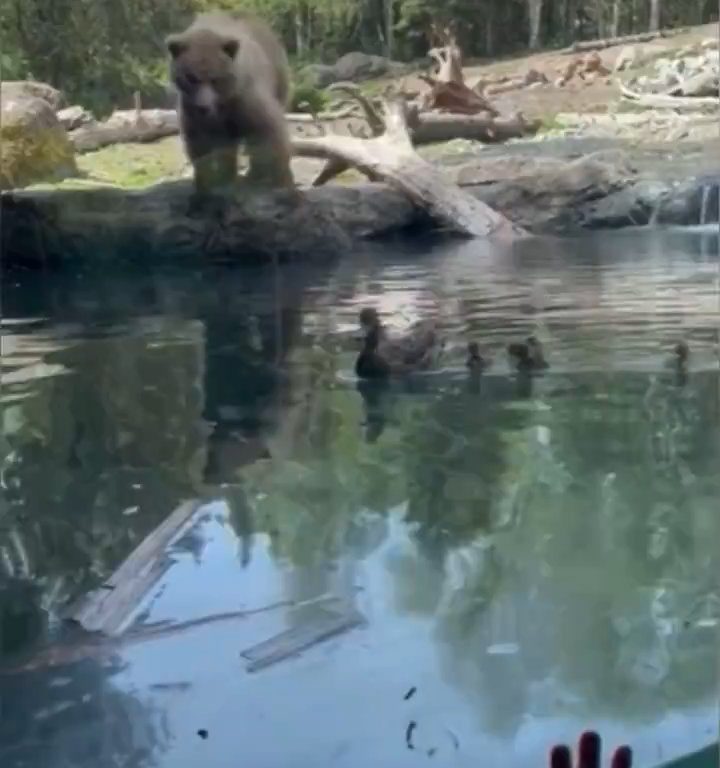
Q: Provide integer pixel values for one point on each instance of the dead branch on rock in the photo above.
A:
(448, 90)
(391, 158)
(702, 84)
(449, 64)
(610, 42)
(667, 101)
(455, 97)
(447, 55)
(432, 127)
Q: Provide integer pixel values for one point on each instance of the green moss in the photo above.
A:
(135, 165)
(307, 98)
(30, 155)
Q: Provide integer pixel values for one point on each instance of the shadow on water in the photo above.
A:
(535, 555)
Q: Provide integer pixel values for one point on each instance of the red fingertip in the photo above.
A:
(622, 758)
(560, 757)
(589, 750)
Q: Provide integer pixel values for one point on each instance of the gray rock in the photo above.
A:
(35, 146)
(16, 89)
(551, 194)
(690, 202)
(634, 205)
(353, 67)
(73, 117)
(357, 66)
(600, 190)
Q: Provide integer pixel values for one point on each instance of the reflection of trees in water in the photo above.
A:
(607, 568)
(309, 495)
(576, 605)
(95, 458)
(73, 715)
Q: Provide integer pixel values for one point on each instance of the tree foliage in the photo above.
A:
(101, 51)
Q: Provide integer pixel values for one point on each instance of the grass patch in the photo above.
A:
(134, 165)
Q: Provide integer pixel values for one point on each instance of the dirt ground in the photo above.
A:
(576, 96)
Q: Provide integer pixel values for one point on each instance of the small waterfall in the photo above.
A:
(655, 213)
(704, 202)
(709, 212)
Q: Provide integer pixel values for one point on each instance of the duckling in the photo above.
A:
(679, 361)
(528, 355)
(475, 361)
(381, 357)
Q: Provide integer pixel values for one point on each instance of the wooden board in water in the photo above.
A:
(328, 623)
(108, 608)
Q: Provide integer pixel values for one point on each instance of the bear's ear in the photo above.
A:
(175, 45)
(230, 47)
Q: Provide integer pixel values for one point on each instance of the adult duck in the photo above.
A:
(528, 356)
(382, 356)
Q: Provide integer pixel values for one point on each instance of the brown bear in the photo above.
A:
(232, 77)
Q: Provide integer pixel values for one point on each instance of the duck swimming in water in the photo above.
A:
(528, 355)
(381, 357)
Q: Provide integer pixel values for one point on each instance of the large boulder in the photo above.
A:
(356, 66)
(352, 67)
(29, 89)
(551, 194)
(35, 146)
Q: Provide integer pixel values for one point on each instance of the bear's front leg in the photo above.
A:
(268, 147)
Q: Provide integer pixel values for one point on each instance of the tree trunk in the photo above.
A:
(299, 36)
(490, 33)
(388, 7)
(654, 15)
(534, 15)
(570, 17)
(600, 18)
(615, 23)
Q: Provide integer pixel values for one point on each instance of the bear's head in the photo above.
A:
(202, 68)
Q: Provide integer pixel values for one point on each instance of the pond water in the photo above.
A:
(530, 558)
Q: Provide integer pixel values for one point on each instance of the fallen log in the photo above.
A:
(666, 101)
(610, 42)
(124, 127)
(147, 125)
(432, 127)
(391, 157)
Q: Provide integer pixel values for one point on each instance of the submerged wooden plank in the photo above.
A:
(291, 642)
(108, 609)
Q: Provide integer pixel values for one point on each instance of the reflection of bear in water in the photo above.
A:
(232, 76)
